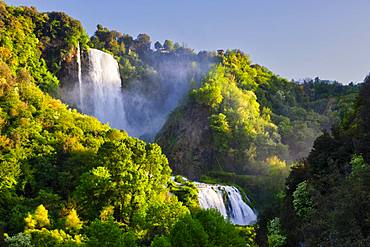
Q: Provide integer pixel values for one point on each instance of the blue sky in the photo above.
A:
(294, 38)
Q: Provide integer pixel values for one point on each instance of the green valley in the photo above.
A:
(112, 140)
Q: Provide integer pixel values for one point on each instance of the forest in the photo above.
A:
(298, 151)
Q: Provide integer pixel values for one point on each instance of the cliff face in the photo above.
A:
(68, 75)
(187, 141)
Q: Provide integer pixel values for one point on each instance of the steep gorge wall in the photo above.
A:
(186, 139)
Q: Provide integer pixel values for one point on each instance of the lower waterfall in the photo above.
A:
(228, 201)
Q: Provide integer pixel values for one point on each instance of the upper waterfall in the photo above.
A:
(100, 89)
(79, 74)
(228, 201)
(93, 85)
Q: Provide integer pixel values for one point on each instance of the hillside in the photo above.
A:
(327, 194)
(66, 178)
(292, 154)
(244, 117)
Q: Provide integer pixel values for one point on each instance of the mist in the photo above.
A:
(141, 106)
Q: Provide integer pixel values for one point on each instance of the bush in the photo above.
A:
(220, 232)
(19, 240)
(161, 241)
(188, 232)
(108, 233)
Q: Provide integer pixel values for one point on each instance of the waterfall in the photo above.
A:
(100, 89)
(79, 76)
(141, 109)
(228, 201)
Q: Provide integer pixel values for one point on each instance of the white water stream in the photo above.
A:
(100, 89)
(228, 201)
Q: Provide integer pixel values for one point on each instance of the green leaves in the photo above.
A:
(302, 201)
(188, 232)
(17, 34)
(129, 176)
(209, 95)
(238, 121)
(220, 232)
(275, 236)
(207, 228)
(108, 233)
(19, 240)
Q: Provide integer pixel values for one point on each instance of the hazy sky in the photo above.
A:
(294, 38)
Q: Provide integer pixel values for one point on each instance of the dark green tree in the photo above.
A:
(108, 233)
(188, 232)
(220, 232)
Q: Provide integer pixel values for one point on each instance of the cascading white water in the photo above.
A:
(79, 76)
(228, 201)
(211, 197)
(100, 89)
(143, 106)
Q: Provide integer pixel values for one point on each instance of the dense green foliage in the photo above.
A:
(68, 180)
(65, 160)
(17, 34)
(327, 195)
(65, 178)
(260, 114)
(247, 121)
(207, 228)
(275, 238)
(38, 42)
(243, 130)
(186, 191)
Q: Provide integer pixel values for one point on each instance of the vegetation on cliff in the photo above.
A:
(246, 121)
